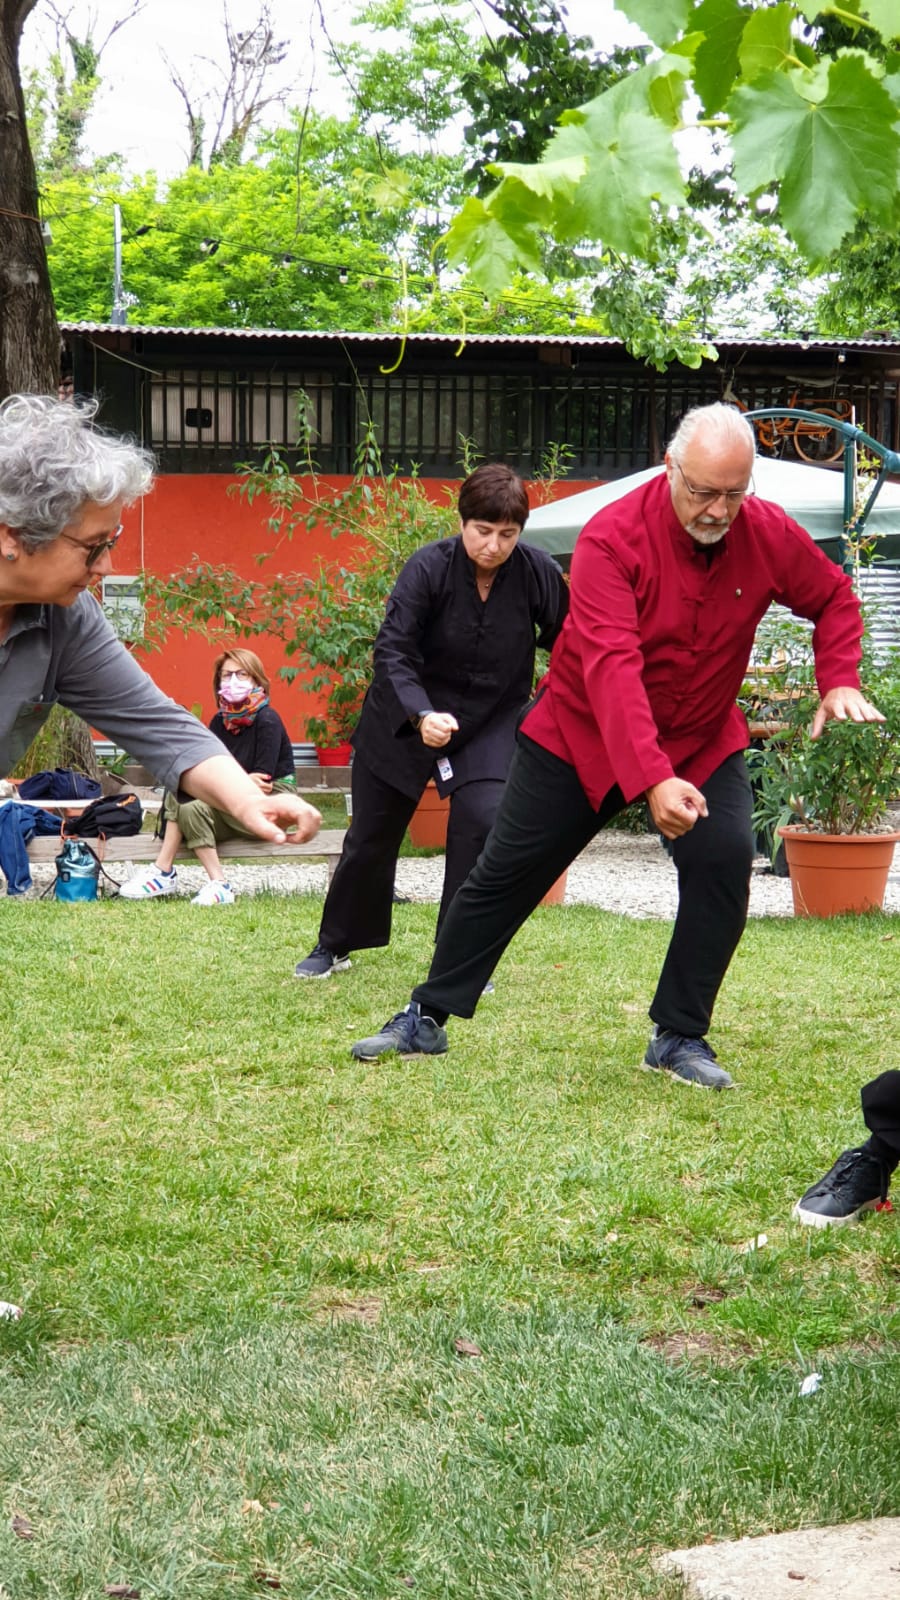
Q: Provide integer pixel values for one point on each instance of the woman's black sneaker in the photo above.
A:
(857, 1182)
(321, 963)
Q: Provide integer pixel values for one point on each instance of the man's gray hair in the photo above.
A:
(719, 424)
(53, 462)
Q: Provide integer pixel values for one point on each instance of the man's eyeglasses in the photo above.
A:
(94, 552)
(705, 497)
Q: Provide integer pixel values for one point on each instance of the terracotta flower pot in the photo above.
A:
(556, 894)
(336, 755)
(428, 824)
(834, 873)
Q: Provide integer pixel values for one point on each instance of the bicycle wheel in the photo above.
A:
(818, 444)
(767, 437)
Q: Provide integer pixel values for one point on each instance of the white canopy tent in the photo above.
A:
(813, 496)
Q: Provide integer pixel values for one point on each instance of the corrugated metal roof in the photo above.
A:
(814, 342)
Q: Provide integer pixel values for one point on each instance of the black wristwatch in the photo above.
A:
(419, 718)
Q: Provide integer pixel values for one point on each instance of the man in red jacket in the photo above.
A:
(668, 586)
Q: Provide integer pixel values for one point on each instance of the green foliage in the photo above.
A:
(707, 277)
(808, 114)
(524, 78)
(328, 619)
(862, 293)
(263, 244)
(821, 135)
(827, 137)
(58, 104)
(413, 82)
(842, 782)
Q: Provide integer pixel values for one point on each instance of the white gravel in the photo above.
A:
(622, 872)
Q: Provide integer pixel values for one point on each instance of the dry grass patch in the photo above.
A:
(686, 1345)
(366, 1309)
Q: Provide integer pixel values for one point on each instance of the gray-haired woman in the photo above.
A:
(63, 486)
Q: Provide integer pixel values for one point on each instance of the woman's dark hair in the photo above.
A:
(493, 493)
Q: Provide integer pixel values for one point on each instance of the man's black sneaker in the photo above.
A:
(688, 1060)
(321, 963)
(408, 1033)
(857, 1182)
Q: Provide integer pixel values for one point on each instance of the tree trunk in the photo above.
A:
(29, 335)
(64, 741)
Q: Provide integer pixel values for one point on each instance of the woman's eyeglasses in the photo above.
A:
(238, 677)
(94, 552)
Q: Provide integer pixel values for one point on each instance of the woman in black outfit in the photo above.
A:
(257, 738)
(860, 1178)
(454, 665)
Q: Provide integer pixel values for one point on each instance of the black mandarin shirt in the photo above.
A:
(442, 648)
(264, 746)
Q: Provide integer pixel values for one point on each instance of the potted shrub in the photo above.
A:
(829, 798)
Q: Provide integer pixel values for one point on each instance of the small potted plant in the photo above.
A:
(829, 798)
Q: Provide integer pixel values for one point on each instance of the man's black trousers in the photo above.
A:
(545, 820)
(357, 912)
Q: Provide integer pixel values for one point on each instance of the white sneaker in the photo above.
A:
(149, 884)
(215, 893)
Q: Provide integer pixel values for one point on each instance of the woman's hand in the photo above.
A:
(262, 781)
(437, 729)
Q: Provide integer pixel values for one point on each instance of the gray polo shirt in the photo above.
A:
(71, 655)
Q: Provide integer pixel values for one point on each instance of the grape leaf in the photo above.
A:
(544, 178)
(828, 138)
(883, 15)
(631, 161)
(716, 61)
(484, 243)
(766, 43)
(666, 96)
(661, 20)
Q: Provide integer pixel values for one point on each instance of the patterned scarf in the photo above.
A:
(244, 713)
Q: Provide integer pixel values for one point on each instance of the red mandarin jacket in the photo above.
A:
(644, 676)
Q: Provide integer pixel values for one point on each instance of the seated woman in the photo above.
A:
(257, 738)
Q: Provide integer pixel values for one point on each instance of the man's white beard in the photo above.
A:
(707, 532)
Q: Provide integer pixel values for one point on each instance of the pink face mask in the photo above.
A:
(234, 687)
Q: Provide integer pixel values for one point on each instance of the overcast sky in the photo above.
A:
(141, 116)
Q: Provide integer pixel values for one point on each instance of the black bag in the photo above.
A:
(110, 817)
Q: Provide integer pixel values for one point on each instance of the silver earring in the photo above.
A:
(10, 558)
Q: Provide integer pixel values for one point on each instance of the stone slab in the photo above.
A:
(858, 1561)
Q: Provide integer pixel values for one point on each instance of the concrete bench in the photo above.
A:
(327, 844)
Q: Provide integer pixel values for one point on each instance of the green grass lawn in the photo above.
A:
(246, 1261)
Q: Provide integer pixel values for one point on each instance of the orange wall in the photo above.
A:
(190, 516)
